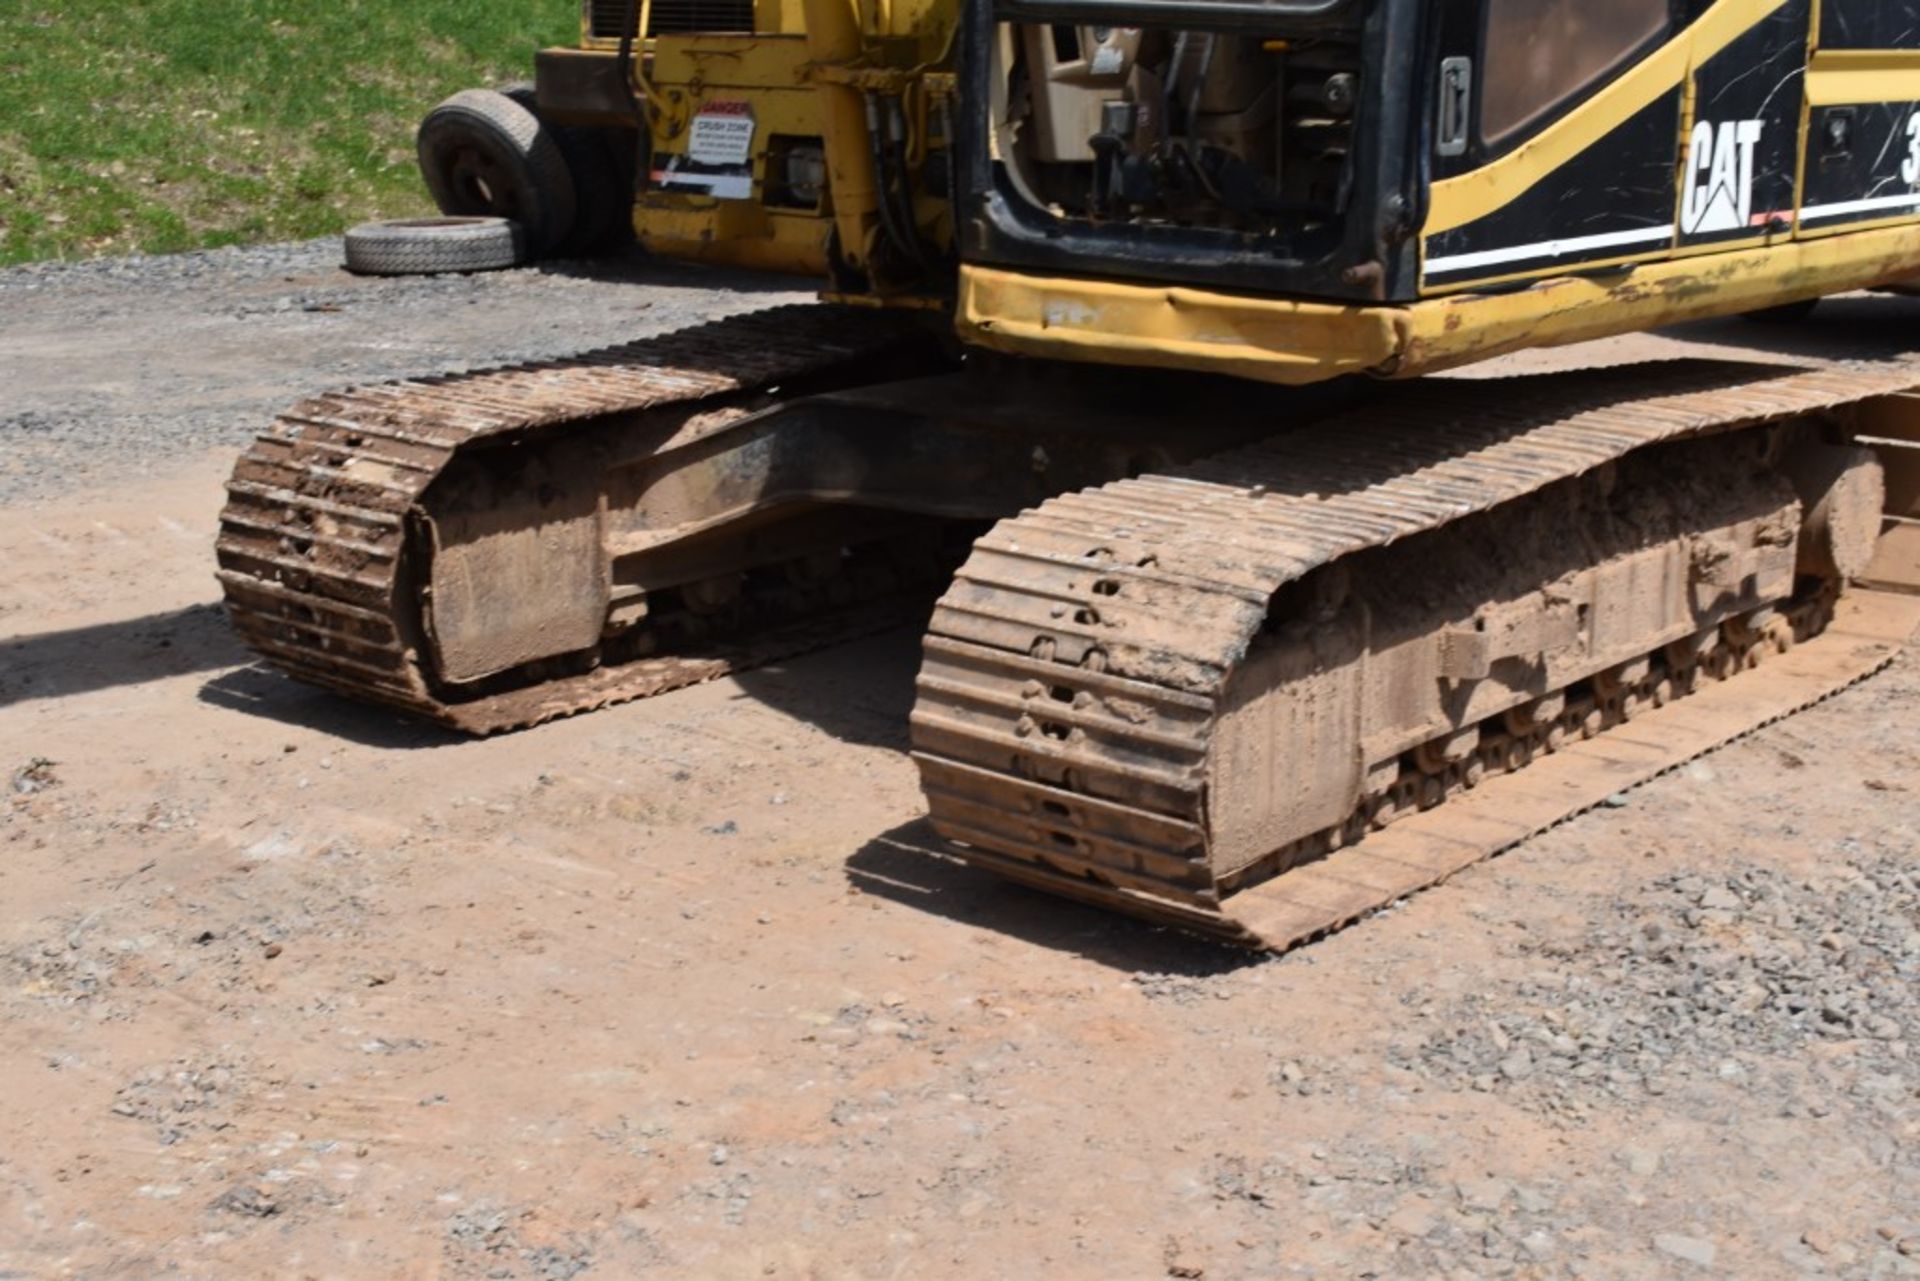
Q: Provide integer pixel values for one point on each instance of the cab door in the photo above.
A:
(1553, 140)
(1863, 106)
(1601, 133)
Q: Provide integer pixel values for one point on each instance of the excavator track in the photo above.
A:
(321, 563)
(1081, 709)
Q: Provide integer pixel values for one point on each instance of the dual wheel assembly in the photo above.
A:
(511, 188)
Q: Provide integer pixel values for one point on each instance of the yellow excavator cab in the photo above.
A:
(1289, 191)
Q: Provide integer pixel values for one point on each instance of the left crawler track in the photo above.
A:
(326, 564)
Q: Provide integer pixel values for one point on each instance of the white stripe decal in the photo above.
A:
(1837, 209)
(1640, 235)
(1549, 248)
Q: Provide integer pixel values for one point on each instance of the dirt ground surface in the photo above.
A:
(290, 987)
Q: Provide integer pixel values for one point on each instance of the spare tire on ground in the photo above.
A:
(484, 154)
(428, 246)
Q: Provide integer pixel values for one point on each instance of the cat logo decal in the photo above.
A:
(1717, 180)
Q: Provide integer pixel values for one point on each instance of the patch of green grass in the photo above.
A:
(181, 124)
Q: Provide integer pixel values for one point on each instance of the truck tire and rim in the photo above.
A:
(484, 154)
(428, 246)
(602, 201)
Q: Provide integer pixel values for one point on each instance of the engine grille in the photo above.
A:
(672, 17)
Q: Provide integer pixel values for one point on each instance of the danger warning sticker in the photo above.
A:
(722, 134)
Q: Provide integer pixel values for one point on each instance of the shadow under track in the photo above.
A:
(132, 651)
(182, 642)
(1853, 327)
(259, 690)
(860, 691)
(907, 866)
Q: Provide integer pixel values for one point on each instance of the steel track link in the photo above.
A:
(314, 551)
(1074, 671)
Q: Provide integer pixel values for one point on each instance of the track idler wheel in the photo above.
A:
(1842, 490)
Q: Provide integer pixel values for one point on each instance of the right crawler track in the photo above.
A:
(1078, 673)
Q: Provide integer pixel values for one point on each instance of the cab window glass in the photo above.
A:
(1541, 53)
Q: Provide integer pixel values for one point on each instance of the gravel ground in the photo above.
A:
(117, 365)
(672, 989)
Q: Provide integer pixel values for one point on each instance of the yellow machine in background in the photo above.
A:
(1229, 638)
(736, 102)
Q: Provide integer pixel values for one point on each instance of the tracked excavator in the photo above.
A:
(1246, 622)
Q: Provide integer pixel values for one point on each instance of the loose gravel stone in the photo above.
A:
(1669, 1004)
(207, 346)
(1690, 1249)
